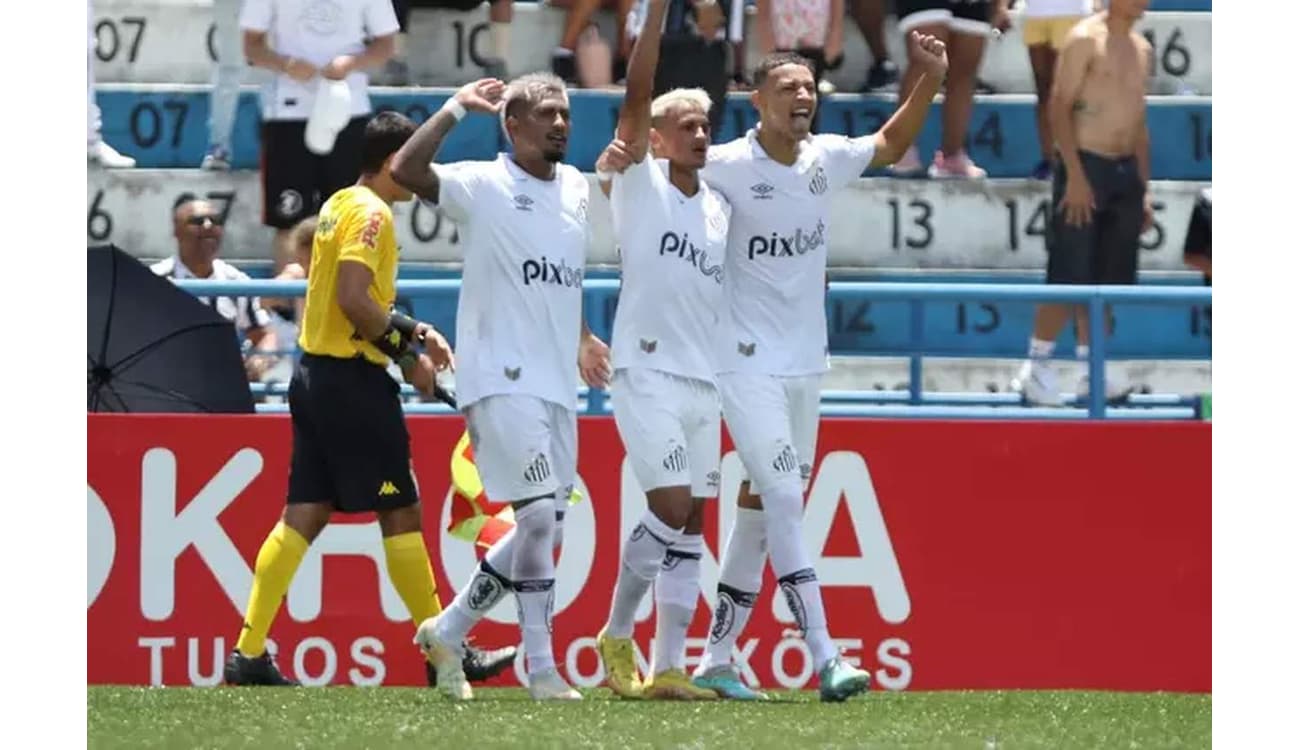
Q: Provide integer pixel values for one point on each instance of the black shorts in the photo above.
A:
(1105, 251)
(691, 62)
(960, 16)
(350, 444)
(402, 8)
(295, 182)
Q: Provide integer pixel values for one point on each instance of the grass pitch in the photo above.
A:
(346, 717)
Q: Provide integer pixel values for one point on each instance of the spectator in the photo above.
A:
(224, 99)
(812, 28)
(197, 226)
(301, 238)
(869, 15)
(1047, 22)
(963, 25)
(698, 37)
(564, 62)
(308, 42)
(500, 14)
(97, 151)
(1196, 248)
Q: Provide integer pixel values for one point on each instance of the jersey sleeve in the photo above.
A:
(380, 19)
(632, 188)
(847, 158)
(362, 235)
(718, 171)
(256, 15)
(458, 185)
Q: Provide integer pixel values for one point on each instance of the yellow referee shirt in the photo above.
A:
(354, 225)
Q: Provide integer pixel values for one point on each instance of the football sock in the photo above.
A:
(738, 586)
(642, 555)
(533, 573)
(277, 561)
(677, 590)
(411, 574)
(783, 507)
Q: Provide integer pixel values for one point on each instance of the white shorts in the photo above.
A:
(671, 427)
(524, 447)
(773, 420)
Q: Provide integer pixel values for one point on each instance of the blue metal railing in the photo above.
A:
(944, 405)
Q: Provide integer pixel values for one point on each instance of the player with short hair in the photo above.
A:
(351, 450)
(671, 231)
(519, 332)
(780, 180)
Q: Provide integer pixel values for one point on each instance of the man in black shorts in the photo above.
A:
(964, 25)
(351, 450)
(1099, 191)
(312, 43)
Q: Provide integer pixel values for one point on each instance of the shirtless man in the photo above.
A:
(1099, 185)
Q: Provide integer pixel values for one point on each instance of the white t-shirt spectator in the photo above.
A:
(520, 309)
(1057, 8)
(244, 312)
(316, 31)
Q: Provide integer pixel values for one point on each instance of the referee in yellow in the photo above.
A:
(351, 450)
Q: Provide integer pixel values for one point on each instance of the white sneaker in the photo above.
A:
(108, 157)
(1037, 382)
(446, 658)
(550, 686)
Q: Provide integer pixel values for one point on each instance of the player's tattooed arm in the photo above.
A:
(634, 118)
(900, 132)
(412, 166)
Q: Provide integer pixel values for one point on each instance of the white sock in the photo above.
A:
(642, 556)
(1081, 351)
(500, 33)
(485, 590)
(783, 507)
(533, 573)
(1039, 349)
(738, 586)
(677, 590)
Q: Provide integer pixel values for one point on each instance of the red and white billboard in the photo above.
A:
(1009, 555)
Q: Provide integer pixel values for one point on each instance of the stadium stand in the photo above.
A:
(153, 65)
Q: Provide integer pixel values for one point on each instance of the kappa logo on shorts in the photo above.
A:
(785, 461)
(538, 471)
(820, 184)
(387, 489)
(675, 461)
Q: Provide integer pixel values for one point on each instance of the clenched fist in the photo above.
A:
(928, 52)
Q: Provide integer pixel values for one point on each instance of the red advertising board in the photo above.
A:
(1010, 555)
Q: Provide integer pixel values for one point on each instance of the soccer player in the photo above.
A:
(520, 332)
(773, 348)
(671, 231)
(351, 450)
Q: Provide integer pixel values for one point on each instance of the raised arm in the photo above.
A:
(412, 166)
(900, 132)
(634, 118)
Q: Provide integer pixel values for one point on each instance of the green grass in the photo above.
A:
(344, 717)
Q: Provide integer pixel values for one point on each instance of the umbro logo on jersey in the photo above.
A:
(387, 489)
(649, 345)
(746, 349)
(511, 373)
(560, 274)
(819, 182)
(538, 471)
(682, 247)
(713, 479)
(762, 191)
(801, 243)
(785, 462)
(523, 203)
(676, 459)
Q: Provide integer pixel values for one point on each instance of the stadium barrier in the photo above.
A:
(914, 343)
(953, 555)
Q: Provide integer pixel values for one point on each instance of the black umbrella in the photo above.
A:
(152, 347)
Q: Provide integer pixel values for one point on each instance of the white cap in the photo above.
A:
(329, 115)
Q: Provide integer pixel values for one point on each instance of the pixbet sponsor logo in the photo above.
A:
(671, 244)
(545, 271)
(776, 246)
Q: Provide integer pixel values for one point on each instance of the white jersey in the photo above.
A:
(1057, 8)
(775, 274)
(520, 309)
(316, 31)
(672, 248)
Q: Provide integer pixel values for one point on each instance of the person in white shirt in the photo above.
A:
(519, 334)
(671, 231)
(773, 347)
(310, 43)
(197, 226)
